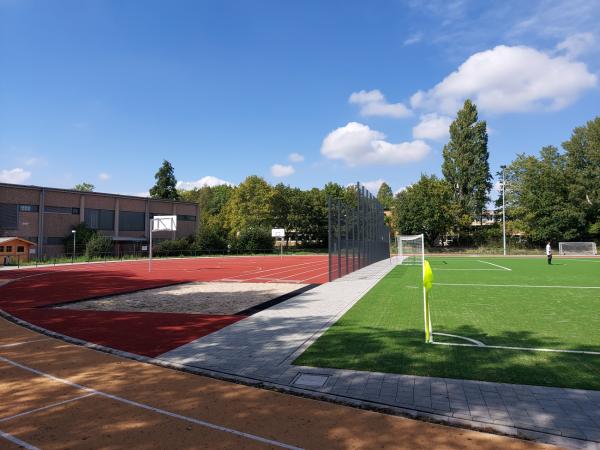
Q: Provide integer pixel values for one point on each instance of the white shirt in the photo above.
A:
(548, 250)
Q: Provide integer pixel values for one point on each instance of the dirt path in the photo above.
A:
(57, 395)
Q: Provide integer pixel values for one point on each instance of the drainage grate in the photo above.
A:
(310, 380)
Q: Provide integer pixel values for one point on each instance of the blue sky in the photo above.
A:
(102, 91)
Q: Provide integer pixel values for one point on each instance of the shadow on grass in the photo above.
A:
(405, 352)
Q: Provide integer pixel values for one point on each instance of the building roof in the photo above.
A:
(101, 194)
(14, 238)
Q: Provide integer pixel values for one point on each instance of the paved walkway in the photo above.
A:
(264, 346)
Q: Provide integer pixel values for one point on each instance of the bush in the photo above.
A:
(83, 235)
(210, 237)
(98, 246)
(253, 239)
(175, 247)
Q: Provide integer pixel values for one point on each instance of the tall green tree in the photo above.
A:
(166, 184)
(385, 195)
(424, 207)
(250, 205)
(538, 198)
(466, 166)
(583, 172)
(84, 187)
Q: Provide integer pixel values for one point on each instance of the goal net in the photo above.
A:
(577, 248)
(411, 249)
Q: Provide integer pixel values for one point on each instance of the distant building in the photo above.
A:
(488, 217)
(45, 216)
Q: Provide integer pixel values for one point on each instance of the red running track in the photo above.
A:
(144, 333)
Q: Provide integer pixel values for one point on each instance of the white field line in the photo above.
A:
(530, 349)
(17, 441)
(496, 265)
(517, 285)
(474, 341)
(15, 344)
(51, 405)
(469, 270)
(151, 408)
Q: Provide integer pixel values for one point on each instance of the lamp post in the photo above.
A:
(74, 239)
(503, 212)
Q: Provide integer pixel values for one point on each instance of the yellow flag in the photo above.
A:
(427, 276)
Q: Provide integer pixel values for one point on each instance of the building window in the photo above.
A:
(29, 208)
(100, 219)
(61, 210)
(132, 221)
(1, 248)
(186, 218)
(20, 249)
(33, 239)
(55, 240)
(9, 219)
(8, 248)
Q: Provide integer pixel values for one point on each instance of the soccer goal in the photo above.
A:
(577, 248)
(411, 249)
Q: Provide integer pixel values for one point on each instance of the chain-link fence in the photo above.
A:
(358, 235)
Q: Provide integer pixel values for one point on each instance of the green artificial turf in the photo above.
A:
(383, 332)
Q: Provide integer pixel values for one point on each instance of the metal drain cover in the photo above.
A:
(311, 380)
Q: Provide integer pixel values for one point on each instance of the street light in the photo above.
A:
(503, 212)
(74, 239)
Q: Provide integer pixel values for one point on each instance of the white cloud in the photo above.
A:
(16, 175)
(432, 126)
(208, 180)
(373, 103)
(280, 170)
(576, 44)
(413, 39)
(509, 79)
(373, 186)
(402, 189)
(296, 157)
(103, 176)
(356, 144)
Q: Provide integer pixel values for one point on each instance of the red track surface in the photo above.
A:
(144, 333)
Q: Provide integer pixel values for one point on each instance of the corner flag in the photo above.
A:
(427, 282)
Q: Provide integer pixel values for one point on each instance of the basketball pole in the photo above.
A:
(150, 251)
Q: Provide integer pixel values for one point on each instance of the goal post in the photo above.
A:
(160, 223)
(411, 252)
(577, 248)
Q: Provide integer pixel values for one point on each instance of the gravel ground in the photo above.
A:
(192, 298)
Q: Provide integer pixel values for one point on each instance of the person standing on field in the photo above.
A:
(549, 253)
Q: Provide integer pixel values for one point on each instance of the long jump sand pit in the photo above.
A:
(193, 298)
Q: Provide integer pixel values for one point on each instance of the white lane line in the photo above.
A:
(51, 405)
(261, 271)
(15, 344)
(517, 285)
(530, 349)
(152, 408)
(496, 265)
(17, 441)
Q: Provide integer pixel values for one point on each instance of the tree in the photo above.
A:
(583, 172)
(385, 195)
(166, 184)
(82, 235)
(466, 166)
(84, 187)
(538, 197)
(424, 207)
(98, 246)
(250, 205)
